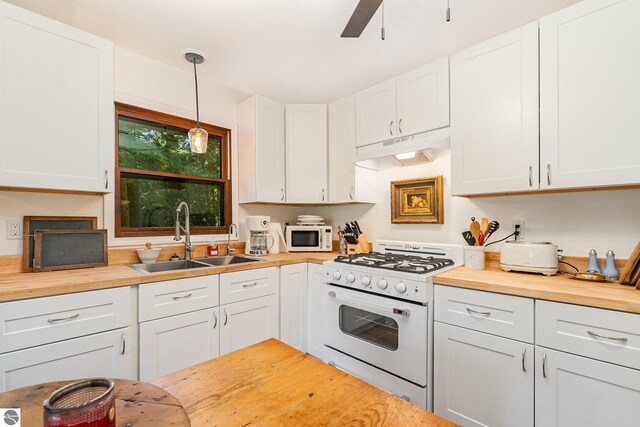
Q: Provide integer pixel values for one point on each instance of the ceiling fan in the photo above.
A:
(364, 12)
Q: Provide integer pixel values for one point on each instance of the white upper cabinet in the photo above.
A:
(590, 95)
(423, 98)
(56, 105)
(347, 181)
(494, 114)
(306, 153)
(376, 113)
(261, 151)
(415, 102)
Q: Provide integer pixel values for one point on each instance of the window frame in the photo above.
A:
(182, 123)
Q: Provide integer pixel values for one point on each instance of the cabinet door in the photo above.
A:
(109, 354)
(423, 98)
(293, 305)
(481, 379)
(376, 113)
(342, 150)
(56, 105)
(494, 114)
(574, 391)
(270, 165)
(173, 343)
(316, 278)
(306, 143)
(590, 95)
(248, 322)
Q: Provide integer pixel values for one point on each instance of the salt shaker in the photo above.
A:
(610, 269)
(593, 262)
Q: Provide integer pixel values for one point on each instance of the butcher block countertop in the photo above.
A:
(272, 384)
(16, 286)
(560, 288)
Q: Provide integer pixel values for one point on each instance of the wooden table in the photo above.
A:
(272, 384)
(137, 404)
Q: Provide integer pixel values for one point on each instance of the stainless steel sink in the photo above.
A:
(227, 260)
(168, 266)
(188, 265)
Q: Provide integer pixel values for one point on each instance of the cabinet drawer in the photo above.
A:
(37, 321)
(162, 299)
(243, 285)
(606, 335)
(497, 314)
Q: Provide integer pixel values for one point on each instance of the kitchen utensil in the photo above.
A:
(633, 260)
(347, 228)
(474, 227)
(355, 229)
(350, 238)
(358, 227)
(481, 239)
(493, 227)
(532, 257)
(484, 226)
(592, 277)
(468, 237)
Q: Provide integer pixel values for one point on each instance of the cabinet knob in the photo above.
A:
(282, 194)
(530, 176)
(548, 174)
(106, 179)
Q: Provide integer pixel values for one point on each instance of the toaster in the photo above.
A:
(532, 257)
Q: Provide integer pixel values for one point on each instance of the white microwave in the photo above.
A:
(309, 238)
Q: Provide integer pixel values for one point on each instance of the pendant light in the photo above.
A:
(198, 137)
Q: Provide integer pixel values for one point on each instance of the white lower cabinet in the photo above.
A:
(575, 391)
(316, 279)
(248, 322)
(109, 354)
(293, 305)
(482, 379)
(173, 343)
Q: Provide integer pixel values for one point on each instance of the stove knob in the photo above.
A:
(365, 280)
(351, 278)
(337, 275)
(401, 287)
(382, 284)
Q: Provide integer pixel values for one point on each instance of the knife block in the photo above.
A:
(363, 246)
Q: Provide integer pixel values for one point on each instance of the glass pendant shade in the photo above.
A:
(198, 138)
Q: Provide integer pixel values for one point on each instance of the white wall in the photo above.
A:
(576, 222)
(147, 83)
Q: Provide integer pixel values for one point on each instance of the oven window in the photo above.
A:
(305, 239)
(371, 327)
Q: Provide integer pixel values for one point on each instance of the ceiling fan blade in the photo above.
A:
(361, 17)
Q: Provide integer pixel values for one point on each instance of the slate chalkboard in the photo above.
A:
(33, 223)
(68, 249)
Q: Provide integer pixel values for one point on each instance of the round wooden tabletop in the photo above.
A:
(137, 404)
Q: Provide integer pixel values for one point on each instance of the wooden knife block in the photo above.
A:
(363, 246)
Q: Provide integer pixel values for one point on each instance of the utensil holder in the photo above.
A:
(474, 257)
(363, 246)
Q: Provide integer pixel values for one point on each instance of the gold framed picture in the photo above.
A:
(417, 201)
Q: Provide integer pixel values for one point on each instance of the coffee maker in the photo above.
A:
(258, 238)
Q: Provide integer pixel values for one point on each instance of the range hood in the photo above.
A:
(438, 139)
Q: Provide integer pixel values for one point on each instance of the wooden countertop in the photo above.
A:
(560, 288)
(271, 383)
(16, 286)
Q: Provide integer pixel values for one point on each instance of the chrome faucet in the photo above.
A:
(231, 250)
(187, 234)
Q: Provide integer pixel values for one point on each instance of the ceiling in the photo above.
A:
(291, 50)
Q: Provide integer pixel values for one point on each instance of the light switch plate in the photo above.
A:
(14, 229)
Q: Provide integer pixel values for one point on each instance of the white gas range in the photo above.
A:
(377, 320)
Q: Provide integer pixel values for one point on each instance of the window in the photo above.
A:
(155, 171)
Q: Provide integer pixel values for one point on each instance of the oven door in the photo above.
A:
(304, 239)
(384, 332)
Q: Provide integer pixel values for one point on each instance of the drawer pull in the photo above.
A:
(479, 313)
(524, 352)
(226, 317)
(182, 297)
(215, 320)
(64, 319)
(123, 344)
(621, 339)
(544, 365)
(250, 285)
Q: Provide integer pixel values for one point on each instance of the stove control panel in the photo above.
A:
(368, 280)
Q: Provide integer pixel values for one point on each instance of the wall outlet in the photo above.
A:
(519, 222)
(14, 229)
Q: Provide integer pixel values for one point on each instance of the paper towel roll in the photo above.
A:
(278, 238)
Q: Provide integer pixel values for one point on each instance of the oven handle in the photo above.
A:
(392, 310)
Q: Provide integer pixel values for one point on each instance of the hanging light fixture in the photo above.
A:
(198, 137)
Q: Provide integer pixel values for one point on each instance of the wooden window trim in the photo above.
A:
(179, 122)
